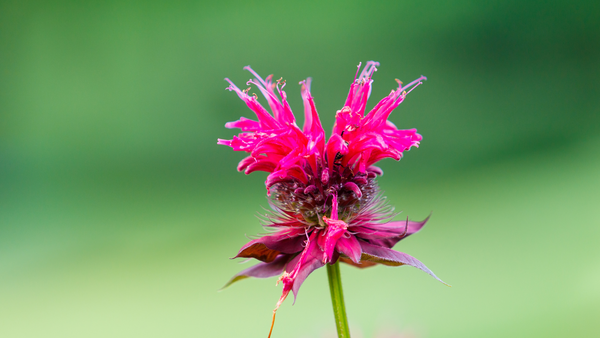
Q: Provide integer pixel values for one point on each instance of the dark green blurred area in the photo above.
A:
(118, 210)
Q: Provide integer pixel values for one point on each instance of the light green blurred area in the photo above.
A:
(118, 211)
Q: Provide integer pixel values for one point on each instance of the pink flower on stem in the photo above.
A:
(324, 193)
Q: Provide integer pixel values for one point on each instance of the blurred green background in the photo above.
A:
(118, 211)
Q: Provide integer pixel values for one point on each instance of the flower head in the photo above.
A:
(324, 194)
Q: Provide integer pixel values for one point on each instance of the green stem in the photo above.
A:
(337, 299)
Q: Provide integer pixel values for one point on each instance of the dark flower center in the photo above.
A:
(313, 200)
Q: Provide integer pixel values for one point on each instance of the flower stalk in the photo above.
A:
(337, 300)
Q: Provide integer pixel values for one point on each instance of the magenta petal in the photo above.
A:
(390, 257)
(334, 234)
(223, 142)
(261, 270)
(353, 187)
(304, 264)
(312, 123)
(336, 146)
(259, 166)
(313, 262)
(349, 247)
(244, 124)
(375, 170)
(245, 163)
(335, 230)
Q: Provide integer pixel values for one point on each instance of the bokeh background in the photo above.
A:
(118, 210)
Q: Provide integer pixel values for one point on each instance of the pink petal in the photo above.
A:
(376, 170)
(336, 145)
(244, 124)
(224, 142)
(245, 163)
(265, 119)
(260, 166)
(312, 123)
(349, 247)
(335, 231)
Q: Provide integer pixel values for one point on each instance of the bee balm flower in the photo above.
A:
(324, 193)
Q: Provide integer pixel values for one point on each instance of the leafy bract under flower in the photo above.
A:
(324, 193)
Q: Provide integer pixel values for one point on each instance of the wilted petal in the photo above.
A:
(262, 270)
(313, 262)
(388, 234)
(267, 248)
(300, 267)
(390, 257)
(361, 265)
(255, 249)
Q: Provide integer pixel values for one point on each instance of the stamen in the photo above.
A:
(418, 84)
(281, 82)
(255, 74)
(357, 69)
(415, 81)
(369, 69)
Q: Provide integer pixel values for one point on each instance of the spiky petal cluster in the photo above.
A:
(326, 202)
